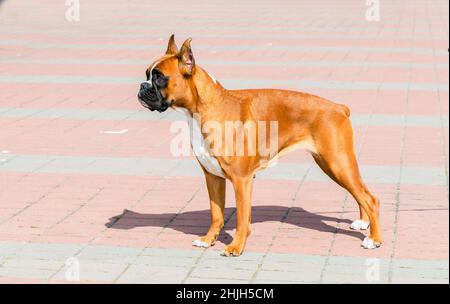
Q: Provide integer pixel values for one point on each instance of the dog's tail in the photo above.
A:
(345, 110)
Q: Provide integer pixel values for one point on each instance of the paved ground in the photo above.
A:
(89, 188)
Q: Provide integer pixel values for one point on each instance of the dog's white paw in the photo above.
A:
(199, 243)
(369, 244)
(359, 225)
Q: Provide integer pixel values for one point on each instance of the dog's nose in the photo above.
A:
(145, 86)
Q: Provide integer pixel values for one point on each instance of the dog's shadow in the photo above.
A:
(197, 222)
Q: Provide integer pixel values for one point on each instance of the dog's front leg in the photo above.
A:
(243, 192)
(216, 191)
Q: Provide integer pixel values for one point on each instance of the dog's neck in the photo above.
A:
(207, 93)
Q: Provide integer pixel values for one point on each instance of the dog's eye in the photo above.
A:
(160, 80)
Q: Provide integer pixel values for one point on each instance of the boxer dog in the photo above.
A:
(303, 121)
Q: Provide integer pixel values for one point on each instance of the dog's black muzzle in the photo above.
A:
(151, 98)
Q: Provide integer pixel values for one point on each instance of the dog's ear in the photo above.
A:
(172, 48)
(186, 59)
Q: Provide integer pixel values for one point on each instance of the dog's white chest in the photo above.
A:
(200, 148)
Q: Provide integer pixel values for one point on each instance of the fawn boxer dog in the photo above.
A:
(302, 121)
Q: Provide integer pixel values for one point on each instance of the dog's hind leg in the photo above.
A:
(335, 155)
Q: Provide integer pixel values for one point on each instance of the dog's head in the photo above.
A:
(168, 79)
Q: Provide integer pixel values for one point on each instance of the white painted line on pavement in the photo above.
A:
(115, 132)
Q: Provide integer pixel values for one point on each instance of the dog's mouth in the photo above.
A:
(149, 99)
(160, 107)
